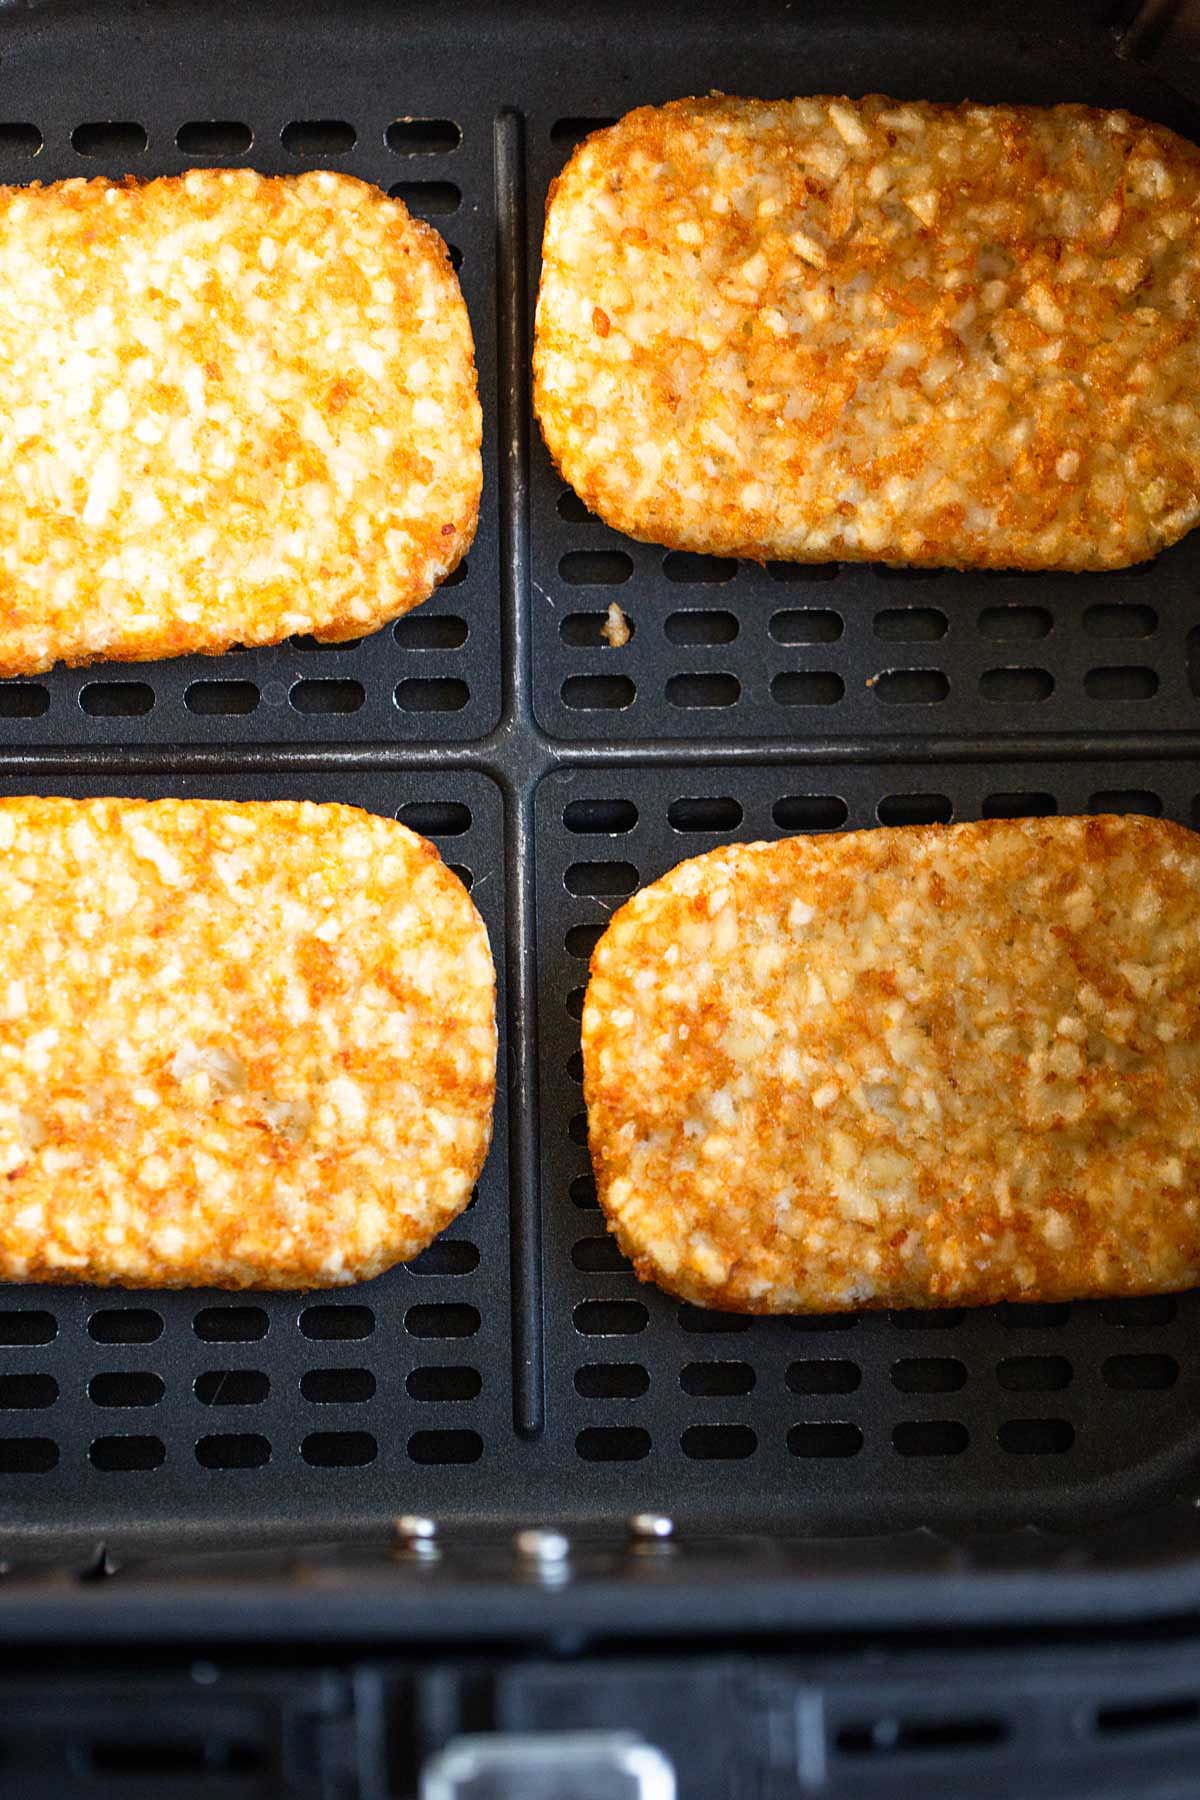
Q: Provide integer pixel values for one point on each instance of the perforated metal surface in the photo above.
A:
(121, 1408)
(520, 1374)
(431, 677)
(881, 1420)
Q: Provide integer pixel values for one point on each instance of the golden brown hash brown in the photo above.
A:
(240, 1045)
(871, 330)
(932, 1066)
(232, 407)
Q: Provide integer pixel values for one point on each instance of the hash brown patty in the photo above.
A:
(240, 1045)
(869, 330)
(232, 408)
(928, 1066)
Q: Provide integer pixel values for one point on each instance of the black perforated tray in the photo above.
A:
(517, 1373)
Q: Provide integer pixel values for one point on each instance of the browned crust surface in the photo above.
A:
(930, 1066)
(240, 1045)
(232, 408)
(870, 330)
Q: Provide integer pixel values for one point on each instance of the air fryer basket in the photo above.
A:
(517, 1375)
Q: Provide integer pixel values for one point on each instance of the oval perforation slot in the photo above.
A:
(1015, 686)
(23, 700)
(1125, 682)
(575, 1067)
(823, 1375)
(1034, 1374)
(434, 694)
(214, 137)
(1140, 1374)
(232, 1387)
(911, 624)
(116, 699)
(27, 1392)
(929, 1375)
(610, 1318)
(930, 1437)
(705, 814)
(910, 687)
(580, 940)
(112, 138)
(233, 1450)
(601, 880)
(567, 134)
(1126, 800)
(231, 1324)
(915, 809)
(221, 698)
(807, 687)
(699, 1321)
(422, 630)
(453, 1383)
(809, 812)
(1019, 806)
(318, 137)
(914, 1318)
(600, 818)
(571, 508)
(595, 568)
(718, 1443)
(806, 625)
(423, 137)
(321, 696)
(452, 1320)
(612, 1381)
(446, 1256)
(126, 1387)
(339, 1449)
(127, 1453)
(612, 1443)
(125, 1325)
(27, 1455)
(703, 689)
(582, 1191)
(1036, 1437)
(817, 1438)
(28, 1326)
(1141, 1313)
(311, 646)
(428, 199)
(578, 1126)
(19, 139)
(587, 630)
(716, 1380)
(687, 566)
(815, 1322)
(1003, 623)
(435, 818)
(700, 625)
(346, 1323)
(600, 1256)
(1120, 621)
(598, 693)
(1038, 1315)
(445, 1447)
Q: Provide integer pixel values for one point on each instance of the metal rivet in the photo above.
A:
(651, 1527)
(542, 1547)
(417, 1535)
